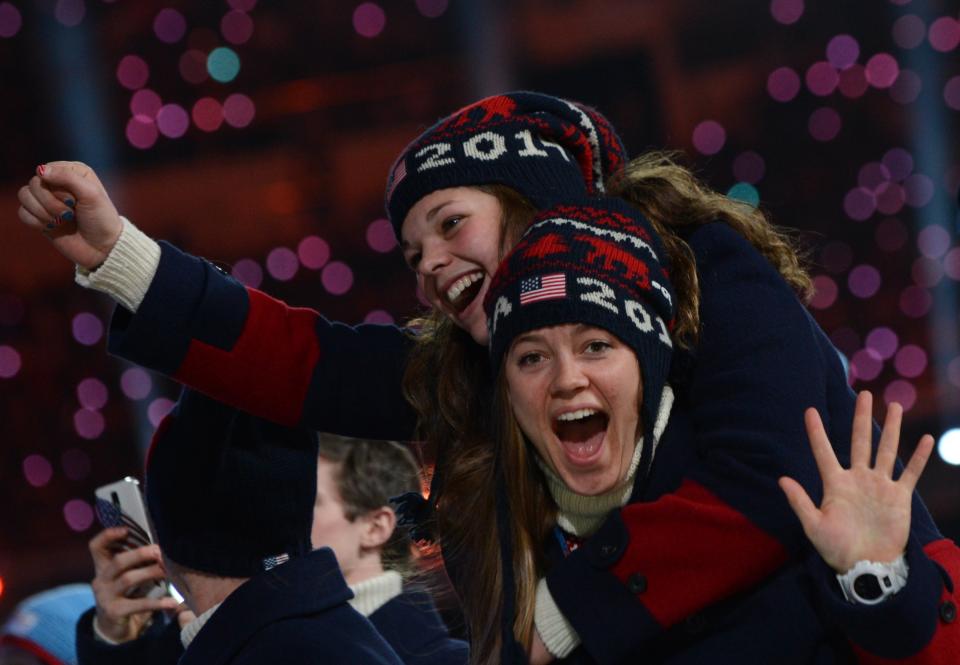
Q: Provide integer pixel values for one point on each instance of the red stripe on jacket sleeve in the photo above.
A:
(269, 368)
(693, 549)
(944, 648)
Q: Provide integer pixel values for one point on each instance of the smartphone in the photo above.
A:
(121, 504)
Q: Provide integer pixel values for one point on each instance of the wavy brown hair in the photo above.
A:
(465, 418)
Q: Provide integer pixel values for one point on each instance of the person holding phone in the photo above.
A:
(352, 516)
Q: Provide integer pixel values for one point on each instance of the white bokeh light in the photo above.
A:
(948, 447)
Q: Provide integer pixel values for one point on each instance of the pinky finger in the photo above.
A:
(918, 461)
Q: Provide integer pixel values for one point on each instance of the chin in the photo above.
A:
(480, 333)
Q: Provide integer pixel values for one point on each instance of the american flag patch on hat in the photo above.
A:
(543, 287)
(274, 561)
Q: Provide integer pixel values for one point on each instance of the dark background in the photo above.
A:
(332, 109)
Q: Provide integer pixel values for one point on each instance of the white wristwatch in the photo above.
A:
(869, 582)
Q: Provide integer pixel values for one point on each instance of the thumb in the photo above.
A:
(801, 504)
(74, 177)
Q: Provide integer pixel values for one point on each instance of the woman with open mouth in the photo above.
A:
(587, 423)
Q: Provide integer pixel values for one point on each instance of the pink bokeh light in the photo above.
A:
(783, 84)
(899, 163)
(951, 264)
(136, 383)
(238, 110)
(144, 105)
(902, 392)
(864, 281)
(282, 264)
(910, 361)
(944, 34)
(236, 27)
(10, 20)
(158, 410)
(37, 470)
(88, 424)
(248, 272)
(369, 20)
(890, 198)
(10, 362)
(825, 292)
(821, 78)
(883, 341)
(133, 72)
(709, 137)
(169, 25)
(882, 70)
(953, 372)
(172, 121)
(786, 12)
(141, 132)
(337, 278)
(87, 328)
(872, 175)
(865, 365)
(207, 114)
(933, 241)
(860, 203)
(909, 31)
(78, 514)
(92, 394)
(313, 252)
(843, 51)
(380, 236)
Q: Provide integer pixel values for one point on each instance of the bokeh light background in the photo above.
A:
(259, 134)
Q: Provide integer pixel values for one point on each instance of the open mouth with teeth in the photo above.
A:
(581, 433)
(463, 291)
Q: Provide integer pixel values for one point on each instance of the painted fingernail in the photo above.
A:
(51, 226)
(70, 202)
(66, 216)
(41, 170)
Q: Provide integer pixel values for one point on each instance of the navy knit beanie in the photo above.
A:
(230, 494)
(546, 148)
(598, 262)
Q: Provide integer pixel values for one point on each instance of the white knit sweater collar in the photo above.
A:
(372, 594)
(189, 632)
(582, 515)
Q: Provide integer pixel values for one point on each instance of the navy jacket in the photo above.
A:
(409, 623)
(719, 528)
(294, 613)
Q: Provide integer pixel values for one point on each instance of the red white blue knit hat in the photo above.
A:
(598, 262)
(546, 148)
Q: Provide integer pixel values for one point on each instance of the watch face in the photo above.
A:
(867, 586)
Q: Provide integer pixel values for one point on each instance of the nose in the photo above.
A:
(568, 376)
(433, 257)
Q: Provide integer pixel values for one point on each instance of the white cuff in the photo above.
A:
(100, 635)
(556, 632)
(129, 269)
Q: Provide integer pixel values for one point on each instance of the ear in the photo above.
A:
(378, 527)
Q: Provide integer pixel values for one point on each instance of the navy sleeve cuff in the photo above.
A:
(900, 626)
(189, 298)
